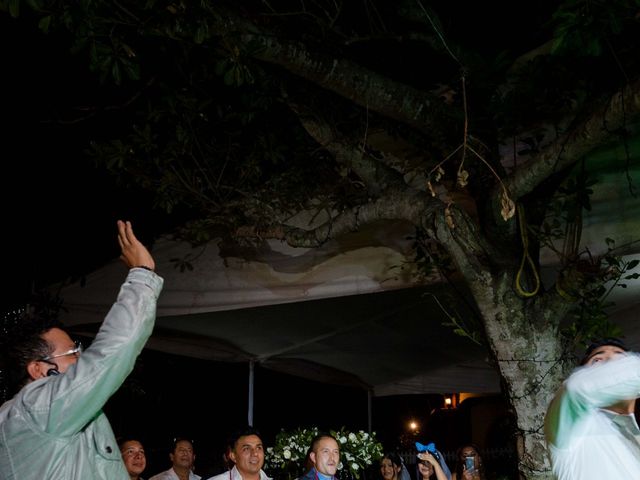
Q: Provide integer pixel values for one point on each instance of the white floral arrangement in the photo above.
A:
(358, 450)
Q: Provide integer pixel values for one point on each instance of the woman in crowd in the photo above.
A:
(431, 466)
(468, 464)
(392, 467)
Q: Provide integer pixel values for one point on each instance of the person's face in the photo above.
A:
(388, 470)
(183, 455)
(248, 455)
(326, 456)
(133, 457)
(425, 468)
(604, 353)
(59, 358)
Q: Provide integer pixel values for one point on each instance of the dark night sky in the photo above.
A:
(59, 210)
(61, 222)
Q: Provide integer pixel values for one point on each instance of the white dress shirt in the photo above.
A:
(234, 474)
(171, 475)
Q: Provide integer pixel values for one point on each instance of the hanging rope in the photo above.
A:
(525, 258)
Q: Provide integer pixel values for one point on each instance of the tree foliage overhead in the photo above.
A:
(473, 121)
(248, 111)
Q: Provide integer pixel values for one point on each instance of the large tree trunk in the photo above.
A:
(529, 353)
(522, 334)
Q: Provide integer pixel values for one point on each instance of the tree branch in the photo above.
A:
(601, 126)
(377, 176)
(424, 111)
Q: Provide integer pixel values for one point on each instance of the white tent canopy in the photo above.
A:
(353, 311)
(357, 318)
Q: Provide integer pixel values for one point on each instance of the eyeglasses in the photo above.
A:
(77, 350)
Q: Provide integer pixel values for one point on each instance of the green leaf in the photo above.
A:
(115, 72)
(14, 8)
(45, 23)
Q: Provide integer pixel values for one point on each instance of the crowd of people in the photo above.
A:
(54, 427)
(246, 456)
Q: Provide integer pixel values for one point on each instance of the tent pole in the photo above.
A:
(369, 409)
(251, 378)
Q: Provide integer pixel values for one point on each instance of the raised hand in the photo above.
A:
(134, 253)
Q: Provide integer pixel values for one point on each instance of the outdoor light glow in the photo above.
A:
(451, 400)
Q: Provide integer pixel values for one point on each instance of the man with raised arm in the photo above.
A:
(54, 427)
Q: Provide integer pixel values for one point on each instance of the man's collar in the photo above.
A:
(322, 476)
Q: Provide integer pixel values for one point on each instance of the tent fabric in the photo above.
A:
(346, 313)
(362, 328)
(352, 311)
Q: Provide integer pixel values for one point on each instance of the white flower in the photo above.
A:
(357, 450)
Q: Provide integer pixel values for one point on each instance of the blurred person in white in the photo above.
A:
(590, 425)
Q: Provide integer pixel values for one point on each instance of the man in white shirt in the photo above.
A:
(182, 458)
(590, 426)
(246, 451)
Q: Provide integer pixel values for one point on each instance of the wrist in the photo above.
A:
(143, 267)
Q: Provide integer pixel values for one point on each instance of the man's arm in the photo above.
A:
(80, 393)
(597, 386)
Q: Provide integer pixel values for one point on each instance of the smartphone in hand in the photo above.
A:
(469, 463)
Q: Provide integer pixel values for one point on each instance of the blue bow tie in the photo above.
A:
(431, 448)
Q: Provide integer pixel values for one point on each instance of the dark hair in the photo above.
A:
(460, 460)
(595, 344)
(179, 439)
(23, 343)
(122, 440)
(315, 440)
(394, 457)
(419, 475)
(438, 456)
(308, 464)
(242, 432)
